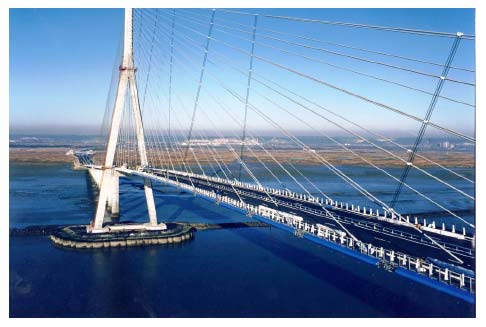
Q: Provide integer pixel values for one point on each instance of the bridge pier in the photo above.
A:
(114, 200)
(96, 175)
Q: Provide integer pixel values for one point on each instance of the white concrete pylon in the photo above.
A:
(109, 186)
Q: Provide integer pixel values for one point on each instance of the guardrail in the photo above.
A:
(393, 258)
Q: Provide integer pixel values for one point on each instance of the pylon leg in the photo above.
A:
(103, 197)
(105, 183)
(149, 195)
(137, 117)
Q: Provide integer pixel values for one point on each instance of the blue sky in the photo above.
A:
(60, 64)
(61, 61)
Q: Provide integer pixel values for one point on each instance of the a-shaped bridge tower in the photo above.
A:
(109, 184)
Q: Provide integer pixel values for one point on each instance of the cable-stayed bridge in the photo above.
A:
(193, 91)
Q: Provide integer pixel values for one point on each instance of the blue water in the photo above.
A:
(249, 272)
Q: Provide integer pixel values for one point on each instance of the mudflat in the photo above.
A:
(361, 157)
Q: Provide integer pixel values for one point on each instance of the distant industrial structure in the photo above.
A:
(221, 142)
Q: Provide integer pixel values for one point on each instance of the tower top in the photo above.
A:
(127, 61)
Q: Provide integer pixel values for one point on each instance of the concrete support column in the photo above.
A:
(115, 194)
(110, 194)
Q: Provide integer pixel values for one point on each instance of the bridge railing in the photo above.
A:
(393, 258)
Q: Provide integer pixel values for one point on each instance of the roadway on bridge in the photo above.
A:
(366, 229)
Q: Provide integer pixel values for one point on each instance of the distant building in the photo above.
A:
(221, 142)
(446, 145)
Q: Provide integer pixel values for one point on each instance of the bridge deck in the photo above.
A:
(368, 229)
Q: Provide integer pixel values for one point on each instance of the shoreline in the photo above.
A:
(298, 157)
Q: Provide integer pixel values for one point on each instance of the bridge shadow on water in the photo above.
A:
(390, 294)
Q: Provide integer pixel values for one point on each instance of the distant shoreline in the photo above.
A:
(451, 159)
(39, 155)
